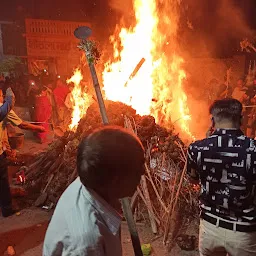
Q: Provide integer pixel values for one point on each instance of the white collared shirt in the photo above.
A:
(83, 224)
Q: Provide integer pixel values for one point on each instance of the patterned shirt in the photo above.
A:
(83, 224)
(226, 165)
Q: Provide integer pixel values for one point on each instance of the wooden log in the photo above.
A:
(56, 164)
(145, 202)
(135, 71)
(134, 199)
(31, 167)
(155, 189)
(41, 170)
(149, 205)
(169, 220)
(43, 197)
(41, 200)
(48, 183)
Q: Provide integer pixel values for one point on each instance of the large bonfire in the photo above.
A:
(142, 85)
(156, 88)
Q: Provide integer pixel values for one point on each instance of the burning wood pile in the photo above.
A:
(162, 189)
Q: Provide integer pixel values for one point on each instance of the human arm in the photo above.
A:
(11, 153)
(6, 107)
(68, 102)
(192, 166)
(16, 121)
(28, 126)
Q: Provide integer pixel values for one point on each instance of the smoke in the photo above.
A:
(210, 32)
(213, 28)
(123, 7)
(207, 29)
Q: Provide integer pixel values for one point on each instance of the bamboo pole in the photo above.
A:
(83, 33)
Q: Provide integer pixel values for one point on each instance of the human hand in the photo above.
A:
(11, 153)
(40, 129)
(9, 92)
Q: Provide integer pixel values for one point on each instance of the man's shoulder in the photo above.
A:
(74, 224)
(74, 203)
(252, 145)
(14, 118)
(201, 143)
(74, 211)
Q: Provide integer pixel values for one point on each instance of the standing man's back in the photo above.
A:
(225, 163)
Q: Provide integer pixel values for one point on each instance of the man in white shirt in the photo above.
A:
(110, 163)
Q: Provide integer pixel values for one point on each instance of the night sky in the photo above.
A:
(202, 13)
(94, 9)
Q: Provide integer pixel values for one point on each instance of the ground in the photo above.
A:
(25, 232)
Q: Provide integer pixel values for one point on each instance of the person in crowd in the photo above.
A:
(224, 162)
(110, 162)
(69, 105)
(251, 90)
(5, 194)
(2, 86)
(222, 91)
(32, 92)
(250, 110)
(2, 77)
(68, 100)
(43, 112)
(239, 92)
(60, 93)
(8, 104)
(50, 96)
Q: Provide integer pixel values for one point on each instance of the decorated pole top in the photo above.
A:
(88, 46)
(83, 32)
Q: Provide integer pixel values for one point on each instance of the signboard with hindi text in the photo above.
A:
(55, 40)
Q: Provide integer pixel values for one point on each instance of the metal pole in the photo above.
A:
(83, 33)
(96, 85)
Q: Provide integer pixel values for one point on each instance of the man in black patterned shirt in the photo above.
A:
(225, 164)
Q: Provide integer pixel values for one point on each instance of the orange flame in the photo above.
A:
(80, 99)
(160, 77)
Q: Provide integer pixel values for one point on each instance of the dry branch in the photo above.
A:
(161, 191)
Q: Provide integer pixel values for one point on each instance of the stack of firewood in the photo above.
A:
(162, 188)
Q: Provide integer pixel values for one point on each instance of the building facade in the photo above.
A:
(52, 45)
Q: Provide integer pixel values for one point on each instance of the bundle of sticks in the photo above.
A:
(162, 187)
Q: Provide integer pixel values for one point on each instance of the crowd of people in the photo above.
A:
(48, 102)
(110, 163)
(245, 92)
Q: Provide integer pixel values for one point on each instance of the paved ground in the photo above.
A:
(26, 233)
